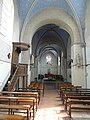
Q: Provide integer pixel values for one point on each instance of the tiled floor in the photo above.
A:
(51, 108)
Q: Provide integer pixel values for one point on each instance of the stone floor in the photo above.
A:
(51, 108)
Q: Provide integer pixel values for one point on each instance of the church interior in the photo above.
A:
(44, 60)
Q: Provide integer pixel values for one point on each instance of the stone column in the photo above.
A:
(59, 69)
(63, 67)
(88, 64)
(87, 40)
(77, 75)
(36, 67)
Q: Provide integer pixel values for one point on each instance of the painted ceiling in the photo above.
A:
(28, 8)
(31, 7)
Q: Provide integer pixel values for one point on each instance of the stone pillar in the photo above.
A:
(59, 69)
(88, 64)
(77, 75)
(69, 60)
(32, 73)
(87, 40)
(36, 67)
(63, 68)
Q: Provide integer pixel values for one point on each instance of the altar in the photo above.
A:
(53, 82)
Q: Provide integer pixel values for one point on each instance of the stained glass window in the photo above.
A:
(49, 59)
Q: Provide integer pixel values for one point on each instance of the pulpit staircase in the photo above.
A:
(18, 77)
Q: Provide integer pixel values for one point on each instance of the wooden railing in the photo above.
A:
(20, 71)
(13, 81)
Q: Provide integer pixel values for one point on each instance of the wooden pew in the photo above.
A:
(39, 86)
(23, 94)
(76, 97)
(11, 117)
(74, 93)
(29, 90)
(69, 88)
(19, 100)
(78, 94)
(14, 107)
(84, 104)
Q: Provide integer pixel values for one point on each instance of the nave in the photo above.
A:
(51, 107)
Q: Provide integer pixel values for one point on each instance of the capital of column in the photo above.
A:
(79, 44)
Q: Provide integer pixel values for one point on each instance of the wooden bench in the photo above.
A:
(76, 97)
(19, 100)
(36, 86)
(69, 89)
(23, 94)
(74, 93)
(11, 117)
(15, 107)
(29, 90)
(84, 104)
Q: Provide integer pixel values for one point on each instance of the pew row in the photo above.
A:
(39, 86)
(32, 91)
(19, 101)
(66, 94)
(69, 88)
(23, 94)
(78, 104)
(76, 97)
(11, 117)
(15, 107)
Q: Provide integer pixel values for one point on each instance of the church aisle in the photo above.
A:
(50, 106)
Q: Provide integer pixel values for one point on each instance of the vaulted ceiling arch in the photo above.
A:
(48, 51)
(42, 19)
(49, 37)
(27, 8)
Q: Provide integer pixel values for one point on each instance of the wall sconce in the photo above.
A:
(69, 63)
(9, 55)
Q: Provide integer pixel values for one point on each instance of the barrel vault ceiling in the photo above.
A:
(50, 37)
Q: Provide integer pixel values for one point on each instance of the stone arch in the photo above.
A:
(42, 43)
(63, 20)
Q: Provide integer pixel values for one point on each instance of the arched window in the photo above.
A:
(49, 59)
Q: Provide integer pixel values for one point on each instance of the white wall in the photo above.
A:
(87, 40)
(6, 37)
(5, 63)
(6, 30)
